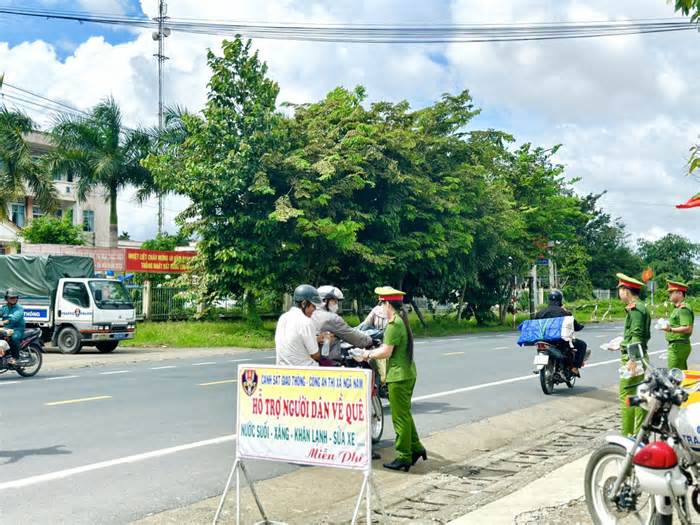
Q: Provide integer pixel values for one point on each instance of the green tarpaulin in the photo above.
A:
(38, 275)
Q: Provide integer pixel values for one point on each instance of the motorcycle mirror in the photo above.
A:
(676, 375)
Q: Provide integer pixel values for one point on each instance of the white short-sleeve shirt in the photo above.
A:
(295, 339)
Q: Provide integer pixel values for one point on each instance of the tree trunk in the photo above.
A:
(461, 302)
(418, 313)
(251, 308)
(113, 219)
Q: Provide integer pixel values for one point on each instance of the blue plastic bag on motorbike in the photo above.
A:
(547, 330)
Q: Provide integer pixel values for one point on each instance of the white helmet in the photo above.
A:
(330, 292)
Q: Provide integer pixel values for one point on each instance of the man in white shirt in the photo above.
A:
(295, 337)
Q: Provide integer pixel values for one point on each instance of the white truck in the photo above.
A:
(73, 309)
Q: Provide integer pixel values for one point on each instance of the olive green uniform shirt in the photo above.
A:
(682, 316)
(400, 366)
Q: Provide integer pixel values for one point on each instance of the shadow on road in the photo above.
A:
(14, 456)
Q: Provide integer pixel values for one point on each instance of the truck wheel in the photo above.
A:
(69, 340)
(107, 346)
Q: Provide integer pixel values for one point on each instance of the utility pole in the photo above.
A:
(160, 36)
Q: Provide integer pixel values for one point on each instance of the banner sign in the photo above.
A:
(151, 261)
(105, 258)
(308, 415)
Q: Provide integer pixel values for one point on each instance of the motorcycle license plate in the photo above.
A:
(541, 359)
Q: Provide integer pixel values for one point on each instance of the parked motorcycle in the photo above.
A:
(30, 353)
(346, 360)
(656, 473)
(552, 365)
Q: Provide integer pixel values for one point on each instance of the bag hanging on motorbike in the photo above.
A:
(551, 330)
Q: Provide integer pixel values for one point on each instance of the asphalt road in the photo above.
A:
(114, 444)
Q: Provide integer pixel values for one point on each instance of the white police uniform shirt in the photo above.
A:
(295, 339)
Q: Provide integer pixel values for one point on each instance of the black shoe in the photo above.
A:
(376, 455)
(417, 455)
(397, 464)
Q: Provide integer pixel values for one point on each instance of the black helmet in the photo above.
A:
(555, 296)
(306, 292)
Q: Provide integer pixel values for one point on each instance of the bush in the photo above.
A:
(51, 230)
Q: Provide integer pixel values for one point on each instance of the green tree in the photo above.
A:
(102, 153)
(688, 7)
(222, 168)
(672, 256)
(606, 242)
(19, 171)
(52, 230)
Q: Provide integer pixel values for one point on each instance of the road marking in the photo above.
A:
(239, 360)
(502, 348)
(59, 377)
(9, 382)
(601, 336)
(218, 382)
(162, 367)
(81, 400)
(204, 363)
(114, 372)
(696, 344)
(506, 381)
(453, 353)
(61, 474)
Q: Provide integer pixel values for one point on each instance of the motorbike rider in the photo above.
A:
(12, 315)
(295, 336)
(556, 309)
(327, 321)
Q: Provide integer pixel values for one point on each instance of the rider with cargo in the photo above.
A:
(12, 315)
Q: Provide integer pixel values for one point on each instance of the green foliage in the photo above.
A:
(51, 230)
(100, 152)
(689, 8)
(19, 170)
(673, 256)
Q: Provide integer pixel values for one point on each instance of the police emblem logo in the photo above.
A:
(249, 380)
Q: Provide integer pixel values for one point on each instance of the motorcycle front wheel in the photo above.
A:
(377, 419)
(602, 470)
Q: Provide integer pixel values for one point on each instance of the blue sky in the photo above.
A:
(64, 35)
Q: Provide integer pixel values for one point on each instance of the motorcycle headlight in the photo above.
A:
(676, 375)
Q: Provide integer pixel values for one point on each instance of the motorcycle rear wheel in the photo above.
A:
(35, 354)
(547, 378)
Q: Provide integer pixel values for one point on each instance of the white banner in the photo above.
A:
(307, 415)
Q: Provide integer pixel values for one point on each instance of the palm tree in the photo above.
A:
(102, 153)
(20, 173)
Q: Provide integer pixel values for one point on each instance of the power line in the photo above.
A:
(378, 33)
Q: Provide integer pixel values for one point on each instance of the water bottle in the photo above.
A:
(326, 348)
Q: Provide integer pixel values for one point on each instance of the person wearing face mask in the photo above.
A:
(328, 321)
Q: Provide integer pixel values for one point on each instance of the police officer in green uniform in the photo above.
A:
(680, 327)
(633, 350)
(400, 377)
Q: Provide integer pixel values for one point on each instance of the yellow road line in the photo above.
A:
(81, 400)
(218, 382)
(453, 353)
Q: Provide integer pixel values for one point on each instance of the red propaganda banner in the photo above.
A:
(693, 202)
(105, 258)
(151, 261)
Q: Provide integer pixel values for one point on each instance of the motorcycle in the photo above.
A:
(346, 360)
(552, 365)
(657, 472)
(30, 353)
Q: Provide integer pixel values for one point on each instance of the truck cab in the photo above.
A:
(85, 312)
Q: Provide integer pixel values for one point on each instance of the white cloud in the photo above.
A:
(625, 108)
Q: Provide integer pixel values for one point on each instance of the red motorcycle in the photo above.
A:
(30, 352)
